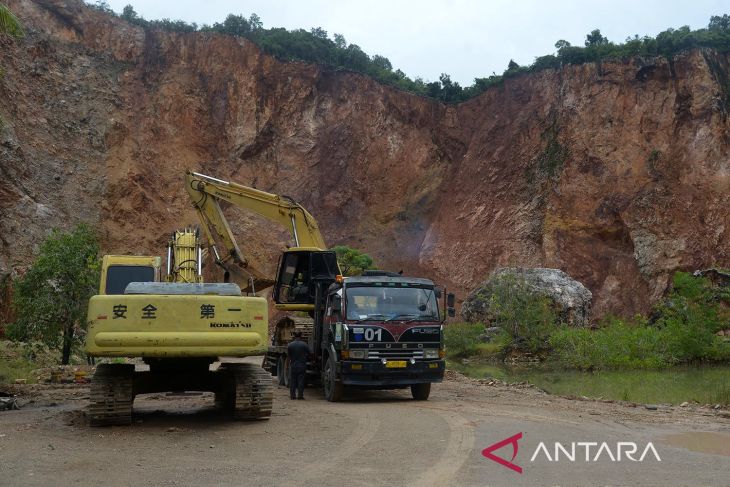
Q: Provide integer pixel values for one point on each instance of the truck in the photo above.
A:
(380, 330)
(178, 325)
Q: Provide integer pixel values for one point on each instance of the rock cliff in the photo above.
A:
(617, 173)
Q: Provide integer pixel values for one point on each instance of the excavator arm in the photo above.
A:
(207, 192)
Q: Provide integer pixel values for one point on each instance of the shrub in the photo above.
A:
(461, 339)
(527, 317)
(618, 345)
(682, 329)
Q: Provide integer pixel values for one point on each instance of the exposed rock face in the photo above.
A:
(618, 174)
(571, 298)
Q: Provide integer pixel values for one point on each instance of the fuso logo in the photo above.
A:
(487, 452)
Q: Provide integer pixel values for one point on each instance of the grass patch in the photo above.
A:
(18, 359)
(618, 345)
(462, 339)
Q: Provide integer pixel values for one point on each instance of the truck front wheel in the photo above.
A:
(420, 392)
(333, 390)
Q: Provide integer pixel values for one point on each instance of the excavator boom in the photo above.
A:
(206, 193)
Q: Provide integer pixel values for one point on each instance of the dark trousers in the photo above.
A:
(296, 380)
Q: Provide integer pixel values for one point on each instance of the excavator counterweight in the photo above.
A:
(179, 326)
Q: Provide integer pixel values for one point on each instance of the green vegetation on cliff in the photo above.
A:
(316, 46)
(9, 23)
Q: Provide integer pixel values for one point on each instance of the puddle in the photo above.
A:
(702, 442)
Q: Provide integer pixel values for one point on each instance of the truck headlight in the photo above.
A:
(358, 354)
(430, 354)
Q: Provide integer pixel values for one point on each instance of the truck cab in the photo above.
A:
(383, 331)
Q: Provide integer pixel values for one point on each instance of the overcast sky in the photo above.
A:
(465, 38)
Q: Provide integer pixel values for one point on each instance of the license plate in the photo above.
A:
(395, 364)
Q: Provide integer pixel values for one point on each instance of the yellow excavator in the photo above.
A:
(179, 326)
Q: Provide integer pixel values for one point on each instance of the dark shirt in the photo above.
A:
(298, 351)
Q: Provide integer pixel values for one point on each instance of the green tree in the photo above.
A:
(561, 44)
(129, 14)
(352, 261)
(235, 25)
(595, 39)
(318, 32)
(255, 22)
(340, 41)
(382, 62)
(50, 301)
(9, 23)
(719, 23)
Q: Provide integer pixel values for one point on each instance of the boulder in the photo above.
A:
(572, 299)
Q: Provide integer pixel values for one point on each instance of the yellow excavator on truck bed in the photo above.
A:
(380, 330)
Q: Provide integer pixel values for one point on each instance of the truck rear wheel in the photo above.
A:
(333, 390)
(281, 372)
(420, 392)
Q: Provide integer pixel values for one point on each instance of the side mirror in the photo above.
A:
(437, 291)
(450, 301)
(337, 305)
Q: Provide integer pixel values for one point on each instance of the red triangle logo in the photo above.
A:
(487, 452)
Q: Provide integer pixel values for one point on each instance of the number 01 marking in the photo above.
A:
(371, 334)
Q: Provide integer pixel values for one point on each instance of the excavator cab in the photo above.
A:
(298, 273)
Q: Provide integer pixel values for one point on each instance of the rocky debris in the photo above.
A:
(719, 277)
(572, 299)
(8, 403)
(522, 358)
(64, 374)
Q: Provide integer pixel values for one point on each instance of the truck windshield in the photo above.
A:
(391, 303)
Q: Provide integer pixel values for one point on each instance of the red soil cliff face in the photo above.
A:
(618, 174)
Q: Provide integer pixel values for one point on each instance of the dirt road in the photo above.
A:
(373, 438)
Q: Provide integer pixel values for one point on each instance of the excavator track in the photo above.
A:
(253, 393)
(111, 395)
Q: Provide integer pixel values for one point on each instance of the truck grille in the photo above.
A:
(402, 354)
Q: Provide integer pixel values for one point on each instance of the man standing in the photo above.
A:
(298, 351)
